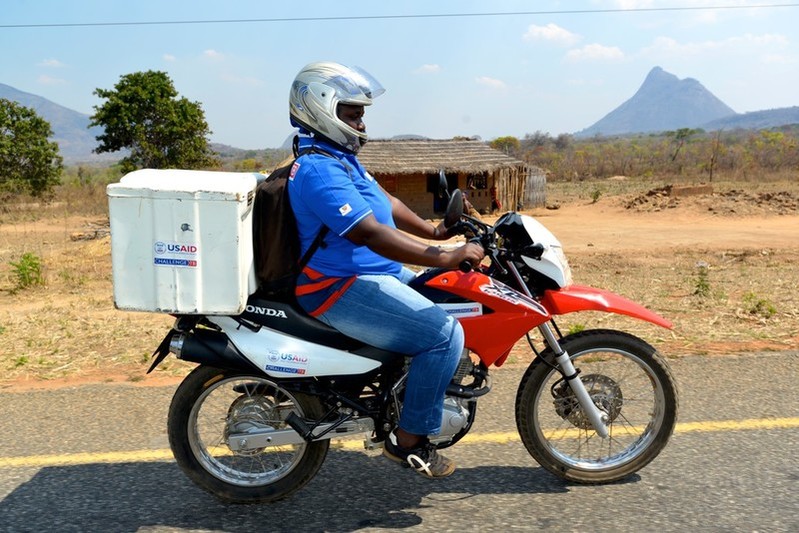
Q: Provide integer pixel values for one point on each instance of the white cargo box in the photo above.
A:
(181, 241)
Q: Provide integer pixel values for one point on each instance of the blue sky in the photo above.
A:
(478, 75)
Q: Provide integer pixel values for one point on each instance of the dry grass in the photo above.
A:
(744, 299)
(624, 186)
(719, 301)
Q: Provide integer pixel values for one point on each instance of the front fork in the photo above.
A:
(598, 418)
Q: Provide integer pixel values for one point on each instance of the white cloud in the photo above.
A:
(778, 59)
(492, 83)
(213, 54)
(552, 33)
(51, 63)
(44, 79)
(428, 69)
(595, 52)
(767, 39)
(169, 58)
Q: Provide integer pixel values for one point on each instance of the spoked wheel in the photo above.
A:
(626, 379)
(211, 405)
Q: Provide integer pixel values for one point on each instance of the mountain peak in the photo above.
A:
(658, 75)
(662, 103)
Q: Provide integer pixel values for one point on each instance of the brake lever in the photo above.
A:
(467, 226)
(496, 262)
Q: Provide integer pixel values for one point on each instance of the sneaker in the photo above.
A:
(423, 459)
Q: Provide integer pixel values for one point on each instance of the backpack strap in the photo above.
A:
(320, 237)
(314, 149)
(317, 242)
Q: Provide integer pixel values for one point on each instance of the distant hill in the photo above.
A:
(409, 137)
(756, 120)
(70, 129)
(663, 103)
(231, 157)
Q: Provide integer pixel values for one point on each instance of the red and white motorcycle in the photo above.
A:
(253, 422)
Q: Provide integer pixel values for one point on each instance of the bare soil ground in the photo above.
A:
(723, 266)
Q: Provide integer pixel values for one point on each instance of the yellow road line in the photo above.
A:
(146, 456)
(141, 456)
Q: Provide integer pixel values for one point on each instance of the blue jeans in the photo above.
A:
(384, 312)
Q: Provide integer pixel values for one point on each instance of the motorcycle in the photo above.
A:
(253, 422)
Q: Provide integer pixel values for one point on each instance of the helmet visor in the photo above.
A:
(357, 87)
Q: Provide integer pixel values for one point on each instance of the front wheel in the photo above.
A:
(212, 404)
(627, 379)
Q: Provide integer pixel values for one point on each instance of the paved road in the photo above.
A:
(95, 458)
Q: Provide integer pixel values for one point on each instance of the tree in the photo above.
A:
(563, 141)
(144, 114)
(537, 139)
(680, 137)
(29, 162)
(508, 144)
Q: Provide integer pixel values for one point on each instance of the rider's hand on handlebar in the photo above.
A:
(470, 252)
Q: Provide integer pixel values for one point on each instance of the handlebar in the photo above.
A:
(483, 235)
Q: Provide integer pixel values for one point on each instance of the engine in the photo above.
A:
(454, 419)
(458, 412)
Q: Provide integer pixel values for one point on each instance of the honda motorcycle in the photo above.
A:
(253, 422)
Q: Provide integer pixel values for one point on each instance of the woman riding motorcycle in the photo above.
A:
(355, 282)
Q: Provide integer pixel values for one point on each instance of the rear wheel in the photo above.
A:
(627, 379)
(212, 404)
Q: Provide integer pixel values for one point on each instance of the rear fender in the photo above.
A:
(581, 298)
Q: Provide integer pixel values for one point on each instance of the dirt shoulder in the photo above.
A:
(607, 227)
(722, 267)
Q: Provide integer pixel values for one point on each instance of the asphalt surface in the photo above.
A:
(739, 474)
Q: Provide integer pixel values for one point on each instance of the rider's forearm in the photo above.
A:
(395, 245)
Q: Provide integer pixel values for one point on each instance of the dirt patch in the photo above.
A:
(735, 202)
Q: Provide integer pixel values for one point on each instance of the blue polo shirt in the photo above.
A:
(339, 193)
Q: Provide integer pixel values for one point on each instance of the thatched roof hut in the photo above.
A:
(493, 180)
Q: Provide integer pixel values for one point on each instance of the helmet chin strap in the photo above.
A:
(305, 130)
(319, 136)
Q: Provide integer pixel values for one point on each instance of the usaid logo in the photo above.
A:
(161, 248)
(287, 358)
(266, 311)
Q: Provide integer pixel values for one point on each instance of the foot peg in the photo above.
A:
(299, 425)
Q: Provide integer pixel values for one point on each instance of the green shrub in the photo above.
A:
(28, 271)
(575, 328)
(702, 280)
(759, 306)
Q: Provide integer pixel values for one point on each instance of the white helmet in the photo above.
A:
(316, 92)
